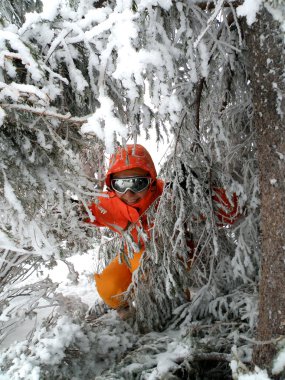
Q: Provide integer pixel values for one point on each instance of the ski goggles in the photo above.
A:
(134, 184)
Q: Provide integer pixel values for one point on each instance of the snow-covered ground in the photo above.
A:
(85, 289)
(115, 333)
(85, 265)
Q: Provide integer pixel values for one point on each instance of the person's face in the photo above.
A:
(129, 197)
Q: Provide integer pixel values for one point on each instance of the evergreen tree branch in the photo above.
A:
(44, 112)
(207, 5)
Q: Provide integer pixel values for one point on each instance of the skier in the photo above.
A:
(132, 186)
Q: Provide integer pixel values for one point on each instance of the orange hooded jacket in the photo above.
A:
(112, 212)
(109, 211)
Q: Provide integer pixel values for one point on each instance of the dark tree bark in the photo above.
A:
(266, 67)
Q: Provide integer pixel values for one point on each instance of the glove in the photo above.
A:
(226, 210)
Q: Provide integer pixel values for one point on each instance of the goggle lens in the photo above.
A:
(135, 184)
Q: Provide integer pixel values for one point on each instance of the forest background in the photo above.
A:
(78, 77)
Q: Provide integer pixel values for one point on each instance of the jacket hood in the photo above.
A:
(129, 157)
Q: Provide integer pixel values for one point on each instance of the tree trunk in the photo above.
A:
(266, 65)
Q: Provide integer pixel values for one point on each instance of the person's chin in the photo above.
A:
(131, 203)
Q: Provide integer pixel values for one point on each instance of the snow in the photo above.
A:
(85, 290)
(168, 359)
(31, 18)
(258, 374)
(241, 373)
(249, 9)
(15, 90)
(165, 4)
(112, 33)
(48, 348)
(204, 59)
(85, 265)
(12, 199)
(279, 362)
(26, 57)
(279, 15)
(108, 24)
(104, 124)
(2, 116)
(94, 16)
(50, 9)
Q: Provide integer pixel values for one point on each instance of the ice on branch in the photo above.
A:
(165, 4)
(104, 124)
(12, 199)
(107, 25)
(50, 11)
(2, 116)
(30, 93)
(25, 54)
(279, 362)
(171, 105)
(6, 243)
(202, 47)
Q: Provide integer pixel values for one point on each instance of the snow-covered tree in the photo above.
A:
(77, 77)
(42, 161)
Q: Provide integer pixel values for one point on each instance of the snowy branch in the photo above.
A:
(47, 113)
